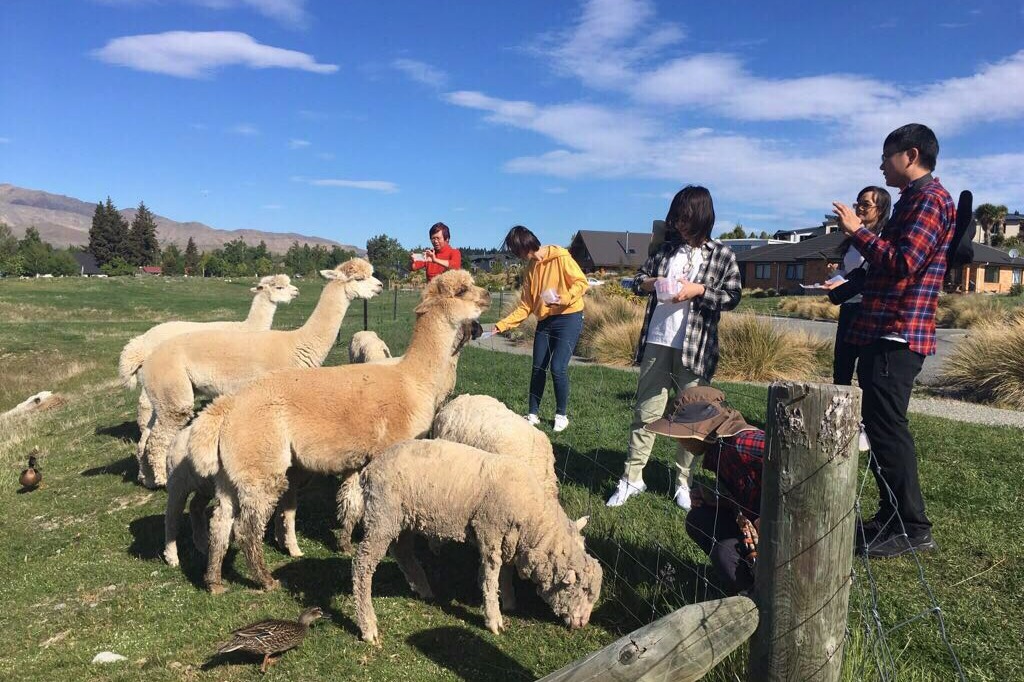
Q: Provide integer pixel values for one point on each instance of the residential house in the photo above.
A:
(828, 226)
(151, 270)
(597, 250)
(741, 245)
(486, 261)
(991, 271)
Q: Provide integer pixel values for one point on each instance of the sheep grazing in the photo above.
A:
(217, 362)
(44, 400)
(330, 420)
(367, 347)
(270, 291)
(451, 491)
(486, 423)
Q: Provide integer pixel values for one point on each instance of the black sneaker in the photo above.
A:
(896, 543)
(865, 533)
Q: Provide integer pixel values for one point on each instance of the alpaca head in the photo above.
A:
(356, 275)
(453, 296)
(277, 288)
(568, 578)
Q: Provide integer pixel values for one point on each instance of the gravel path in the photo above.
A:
(957, 410)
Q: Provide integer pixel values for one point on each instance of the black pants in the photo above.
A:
(886, 373)
(845, 359)
(721, 539)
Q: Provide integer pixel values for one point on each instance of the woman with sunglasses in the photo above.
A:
(872, 206)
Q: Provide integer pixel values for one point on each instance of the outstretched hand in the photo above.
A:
(848, 219)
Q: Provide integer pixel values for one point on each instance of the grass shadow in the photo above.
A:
(123, 431)
(598, 470)
(127, 468)
(467, 655)
(315, 582)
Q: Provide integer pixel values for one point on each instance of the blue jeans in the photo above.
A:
(553, 344)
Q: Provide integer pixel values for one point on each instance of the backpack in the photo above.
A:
(961, 247)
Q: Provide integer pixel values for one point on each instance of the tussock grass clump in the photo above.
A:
(967, 312)
(525, 331)
(988, 366)
(816, 308)
(754, 349)
(602, 310)
(615, 342)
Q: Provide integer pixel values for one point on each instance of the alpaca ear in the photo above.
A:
(258, 287)
(333, 274)
(581, 522)
(570, 578)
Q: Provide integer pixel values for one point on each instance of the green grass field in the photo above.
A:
(80, 564)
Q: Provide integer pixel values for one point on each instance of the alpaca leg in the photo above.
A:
(255, 505)
(508, 590)
(166, 428)
(145, 422)
(350, 510)
(284, 519)
(490, 570)
(410, 565)
(220, 536)
(371, 550)
(177, 493)
(200, 524)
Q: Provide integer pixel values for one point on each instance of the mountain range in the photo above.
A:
(65, 221)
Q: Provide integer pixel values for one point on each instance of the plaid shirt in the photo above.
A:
(906, 264)
(736, 462)
(721, 279)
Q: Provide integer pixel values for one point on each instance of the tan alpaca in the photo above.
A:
(451, 491)
(218, 362)
(330, 420)
(270, 291)
(366, 346)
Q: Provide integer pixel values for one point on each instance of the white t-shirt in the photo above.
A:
(668, 324)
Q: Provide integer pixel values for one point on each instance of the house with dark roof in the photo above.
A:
(486, 261)
(86, 263)
(606, 250)
(828, 226)
(991, 271)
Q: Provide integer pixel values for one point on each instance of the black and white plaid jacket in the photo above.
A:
(721, 279)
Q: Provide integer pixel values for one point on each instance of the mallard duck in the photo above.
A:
(272, 636)
(32, 476)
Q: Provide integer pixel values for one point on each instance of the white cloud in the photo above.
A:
(289, 12)
(298, 144)
(421, 72)
(374, 185)
(246, 129)
(193, 54)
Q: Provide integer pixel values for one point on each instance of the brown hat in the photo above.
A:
(700, 413)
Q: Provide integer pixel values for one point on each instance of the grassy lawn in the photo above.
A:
(81, 570)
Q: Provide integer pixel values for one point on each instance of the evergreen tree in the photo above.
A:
(100, 244)
(191, 258)
(10, 262)
(143, 247)
(387, 256)
(171, 260)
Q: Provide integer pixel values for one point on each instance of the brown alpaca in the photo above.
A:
(330, 420)
(219, 362)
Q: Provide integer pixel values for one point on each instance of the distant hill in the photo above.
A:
(65, 221)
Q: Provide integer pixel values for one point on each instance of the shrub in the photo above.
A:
(614, 289)
(968, 311)
(811, 308)
(756, 349)
(602, 309)
(988, 365)
(615, 342)
(770, 292)
(758, 293)
(1016, 289)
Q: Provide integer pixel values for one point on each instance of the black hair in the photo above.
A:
(521, 242)
(442, 228)
(692, 214)
(915, 136)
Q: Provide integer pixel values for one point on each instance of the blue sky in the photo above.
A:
(348, 119)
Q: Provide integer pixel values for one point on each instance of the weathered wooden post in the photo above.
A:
(805, 552)
(681, 647)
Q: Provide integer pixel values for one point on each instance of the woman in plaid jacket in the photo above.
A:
(691, 279)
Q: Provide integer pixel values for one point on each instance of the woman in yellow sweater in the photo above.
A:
(553, 289)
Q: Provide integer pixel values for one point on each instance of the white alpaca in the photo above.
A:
(44, 400)
(215, 363)
(366, 346)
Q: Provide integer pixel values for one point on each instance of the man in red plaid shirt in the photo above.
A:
(895, 330)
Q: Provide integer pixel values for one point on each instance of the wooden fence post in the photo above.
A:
(805, 553)
(681, 647)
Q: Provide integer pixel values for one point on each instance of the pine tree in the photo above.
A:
(143, 247)
(191, 258)
(100, 244)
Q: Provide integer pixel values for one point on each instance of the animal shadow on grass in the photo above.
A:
(126, 467)
(467, 655)
(148, 544)
(599, 470)
(123, 431)
(315, 582)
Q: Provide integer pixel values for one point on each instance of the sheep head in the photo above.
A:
(357, 276)
(455, 296)
(277, 288)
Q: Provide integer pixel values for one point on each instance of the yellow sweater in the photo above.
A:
(556, 270)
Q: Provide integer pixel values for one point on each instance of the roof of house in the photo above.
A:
(609, 249)
(152, 269)
(984, 253)
(86, 262)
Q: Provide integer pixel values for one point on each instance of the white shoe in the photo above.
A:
(533, 419)
(624, 491)
(683, 499)
(864, 445)
(561, 423)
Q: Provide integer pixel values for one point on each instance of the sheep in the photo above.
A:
(329, 420)
(452, 491)
(218, 362)
(366, 346)
(44, 400)
(270, 291)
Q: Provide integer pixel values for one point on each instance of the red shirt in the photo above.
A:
(449, 254)
(736, 462)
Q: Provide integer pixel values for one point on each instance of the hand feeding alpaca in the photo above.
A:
(330, 420)
(366, 346)
(270, 291)
(450, 491)
(219, 362)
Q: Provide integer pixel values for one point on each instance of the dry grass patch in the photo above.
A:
(810, 308)
(615, 342)
(608, 311)
(755, 349)
(972, 310)
(988, 366)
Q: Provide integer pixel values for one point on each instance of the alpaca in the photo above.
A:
(330, 420)
(452, 491)
(218, 362)
(44, 400)
(270, 291)
(366, 346)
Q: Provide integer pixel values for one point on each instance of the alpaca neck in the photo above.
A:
(430, 350)
(261, 313)
(315, 338)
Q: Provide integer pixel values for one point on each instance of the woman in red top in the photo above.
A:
(442, 257)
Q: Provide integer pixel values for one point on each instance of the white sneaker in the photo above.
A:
(864, 445)
(624, 491)
(683, 499)
(561, 423)
(533, 419)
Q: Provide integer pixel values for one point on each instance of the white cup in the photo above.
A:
(549, 296)
(417, 257)
(666, 288)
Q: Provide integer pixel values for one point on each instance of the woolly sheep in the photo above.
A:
(451, 491)
(366, 346)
